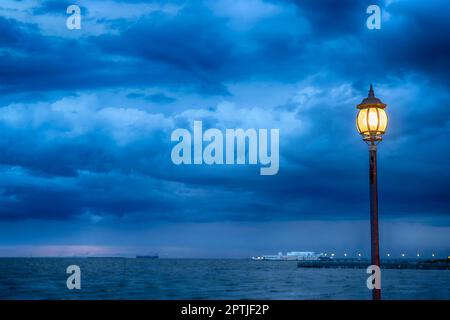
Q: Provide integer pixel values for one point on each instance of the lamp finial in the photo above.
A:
(371, 93)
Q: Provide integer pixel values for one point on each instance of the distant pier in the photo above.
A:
(387, 264)
(151, 257)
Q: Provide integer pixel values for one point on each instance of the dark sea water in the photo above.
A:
(45, 278)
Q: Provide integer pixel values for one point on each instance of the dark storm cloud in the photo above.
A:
(58, 7)
(36, 63)
(330, 18)
(83, 163)
(11, 33)
(415, 37)
(156, 97)
(102, 197)
(421, 38)
(201, 51)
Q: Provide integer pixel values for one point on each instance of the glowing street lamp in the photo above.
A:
(372, 119)
(371, 123)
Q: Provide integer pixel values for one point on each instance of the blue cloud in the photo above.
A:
(156, 97)
(85, 120)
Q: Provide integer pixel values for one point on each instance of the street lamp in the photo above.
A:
(371, 122)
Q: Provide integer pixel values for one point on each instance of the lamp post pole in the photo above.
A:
(371, 123)
(374, 240)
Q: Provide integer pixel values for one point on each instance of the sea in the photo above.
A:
(120, 278)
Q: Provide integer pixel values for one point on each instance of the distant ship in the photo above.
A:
(294, 255)
(155, 256)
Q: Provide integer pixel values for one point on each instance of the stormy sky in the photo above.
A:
(86, 117)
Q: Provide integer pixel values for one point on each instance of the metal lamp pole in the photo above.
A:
(374, 239)
(371, 122)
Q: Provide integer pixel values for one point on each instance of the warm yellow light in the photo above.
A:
(371, 121)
